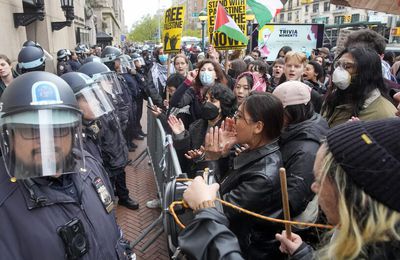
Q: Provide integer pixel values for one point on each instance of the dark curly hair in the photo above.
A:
(226, 98)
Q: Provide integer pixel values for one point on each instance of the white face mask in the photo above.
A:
(206, 78)
(341, 78)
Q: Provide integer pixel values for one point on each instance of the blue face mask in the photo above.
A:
(206, 78)
(163, 58)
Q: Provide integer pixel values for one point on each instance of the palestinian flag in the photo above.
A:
(224, 23)
(265, 10)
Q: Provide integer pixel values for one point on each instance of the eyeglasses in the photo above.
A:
(34, 133)
(238, 115)
(344, 64)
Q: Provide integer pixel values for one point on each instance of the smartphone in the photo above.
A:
(150, 107)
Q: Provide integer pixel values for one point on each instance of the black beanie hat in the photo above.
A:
(369, 152)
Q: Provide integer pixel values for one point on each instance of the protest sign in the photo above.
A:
(173, 27)
(237, 10)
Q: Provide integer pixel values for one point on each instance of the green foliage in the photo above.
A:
(193, 33)
(146, 29)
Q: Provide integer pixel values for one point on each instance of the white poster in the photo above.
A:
(301, 38)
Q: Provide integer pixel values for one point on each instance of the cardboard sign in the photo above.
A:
(173, 26)
(237, 10)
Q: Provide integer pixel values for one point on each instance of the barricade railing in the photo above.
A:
(165, 164)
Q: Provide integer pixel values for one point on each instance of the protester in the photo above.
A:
(300, 139)
(191, 92)
(259, 69)
(358, 90)
(370, 39)
(220, 102)
(358, 159)
(278, 67)
(282, 52)
(157, 76)
(295, 63)
(181, 64)
(7, 73)
(351, 169)
(243, 86)
(314, 73)
(253, 182)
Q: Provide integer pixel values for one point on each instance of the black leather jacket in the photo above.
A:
(207, 237)
(253, 183)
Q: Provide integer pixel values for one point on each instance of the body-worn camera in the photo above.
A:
(74, 238)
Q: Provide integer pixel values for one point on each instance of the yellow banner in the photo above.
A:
(173, 26)
(237, 10)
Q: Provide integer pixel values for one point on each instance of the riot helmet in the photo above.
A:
(91, 98)
(125, 64)
(138, 60)
(92, 59)
(61, 54)
(30, 43)
(31, 58)
(109, 55)
(102, 75)
(40, 127)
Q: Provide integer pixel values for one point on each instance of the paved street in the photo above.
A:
(141, 183)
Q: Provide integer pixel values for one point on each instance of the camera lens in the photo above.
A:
(75, 228)
(79, 242)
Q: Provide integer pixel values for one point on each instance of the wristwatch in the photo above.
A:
(205, 204)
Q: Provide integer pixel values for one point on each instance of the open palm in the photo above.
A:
(176, 125)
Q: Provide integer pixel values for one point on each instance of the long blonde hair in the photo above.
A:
(363, 220)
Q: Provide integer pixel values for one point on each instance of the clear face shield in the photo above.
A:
(126, 66)
(42, 143)
(93, 102)
(139, 62)
(109, 82)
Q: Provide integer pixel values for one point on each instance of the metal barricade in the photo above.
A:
(165, 165)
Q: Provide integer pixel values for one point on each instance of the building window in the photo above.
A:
(305, 21)
(327, 7)
(315, 8)
(313, 20)
(282, 17)
(290, 4)
(306, 8)
(339, 19)
(340, 7)
(326, 20)
(289, 16)
(355, 18)
(298, 3)
(297, 16)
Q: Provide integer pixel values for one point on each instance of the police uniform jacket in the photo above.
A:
(29, 229)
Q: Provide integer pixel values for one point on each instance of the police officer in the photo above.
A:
(55, 199)
(31, 58)
(62, 65)
(93, 103)
(140, 78)
(112, 142)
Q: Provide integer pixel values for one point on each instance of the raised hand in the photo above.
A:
(289, 246)
(227, 138)
(195, 154)
(198, 192)
(176, 125)
(214, 148)
(192, 75)
(156, 111)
